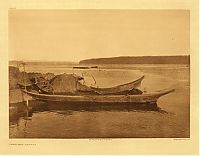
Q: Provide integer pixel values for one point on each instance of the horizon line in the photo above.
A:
(26, 60)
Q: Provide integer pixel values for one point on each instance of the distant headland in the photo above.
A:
(182, 59)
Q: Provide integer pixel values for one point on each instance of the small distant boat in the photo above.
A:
(147, 98)
(94, 67)
(119, 88)
(84, 67)
(81, 67)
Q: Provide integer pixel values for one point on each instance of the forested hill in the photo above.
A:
(139, 60)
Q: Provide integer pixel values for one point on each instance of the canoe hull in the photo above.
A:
(143, 98)
(119, 88)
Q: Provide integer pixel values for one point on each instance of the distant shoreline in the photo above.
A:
(15, 62)
(184, 59)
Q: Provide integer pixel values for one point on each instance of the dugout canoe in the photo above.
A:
(123, 88)
(142, 98)
(119, 88)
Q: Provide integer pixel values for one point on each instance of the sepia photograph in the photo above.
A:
(104, 73)
(99, 77)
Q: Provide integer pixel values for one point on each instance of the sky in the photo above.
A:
(74, 35)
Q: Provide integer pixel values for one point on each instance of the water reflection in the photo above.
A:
(21, 110)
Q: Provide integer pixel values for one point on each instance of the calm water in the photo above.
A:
(60, 120)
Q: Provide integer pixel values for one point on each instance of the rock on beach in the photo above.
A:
(16, 77)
